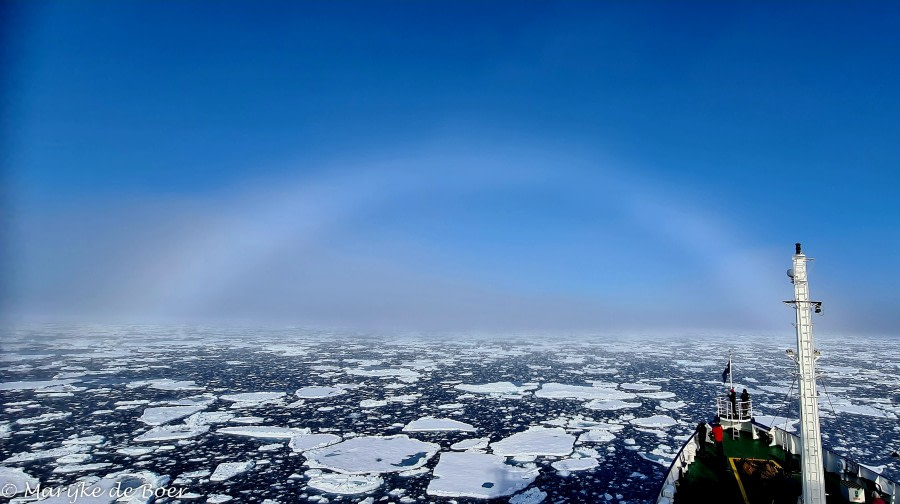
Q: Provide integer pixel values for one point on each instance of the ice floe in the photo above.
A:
(253, 398)
(373, 454)
(344, 484)
(227, 470)
(165, 414)
(166, 384)
(610, 405)
(264, 432)
(533, 495)
(566, 391)
(315, 392)
(479, 475)
(535, 441)
(654, 422)
(471, 444)
(496, 388)
(425, 424)
(575, 464)
(304, 442)
(14, 481)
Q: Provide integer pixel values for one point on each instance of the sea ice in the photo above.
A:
(566, 391)
(345, 484)
(612, 405)
(479, 475)
(227, 470)
(596, 436)
(264, 432)
(536, 441)
(319, 392)
(437, 424)
(253, 398)
(170, 432)
(533, 495)
(576, 464)
(373, 454)
(14, 481)
(496, 388)
(34, 385)
(471, 444)
(166, 414)
(654, 422)
(304, 442)
(165, 384)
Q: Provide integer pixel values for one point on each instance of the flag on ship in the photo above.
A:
(725, 373)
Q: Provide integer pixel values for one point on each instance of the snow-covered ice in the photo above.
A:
(479, 475)
(535, 441)
(437, 424)
(373, 454)
(319, 392)
(345, 484)
(227, 470)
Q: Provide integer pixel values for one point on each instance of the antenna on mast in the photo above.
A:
(810, 434)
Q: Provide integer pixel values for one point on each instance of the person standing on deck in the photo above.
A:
(701, 439)
(719, 436)
(745, 404)
(733, 398)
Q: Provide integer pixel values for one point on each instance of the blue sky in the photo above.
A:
(458, 165)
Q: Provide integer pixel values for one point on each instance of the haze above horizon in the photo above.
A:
(450, 165)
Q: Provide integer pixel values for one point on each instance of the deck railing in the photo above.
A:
(741, 411)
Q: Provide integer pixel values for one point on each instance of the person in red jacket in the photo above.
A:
(876, 498)
(718, 436)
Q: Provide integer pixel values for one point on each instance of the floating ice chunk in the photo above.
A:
(533, 495)
(254, 398)
(596, 436)
(93, 490)
(345, 484)
(471, 444)
(578, 464)
(170, 432)
(479, 475)
(639, 387)
(536, 441)
(654, 422)
(14, 481)
(165, 384)
(672, 404)
(38, 386)
(80, 468)
(53, 453)
(136, 451)
(46, 417)
(319, 392)
(402, 374)
(657, 395)
(304, 442)
(264, 432)
(565, 391)
(218, 498)
(496, 388)
(861, 409)
(227, 470)
(166, 414)
(372, 403)
(373, 454)
(437, 424)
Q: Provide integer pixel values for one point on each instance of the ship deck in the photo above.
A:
(736, 478)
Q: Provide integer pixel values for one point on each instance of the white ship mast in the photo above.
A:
(811, 437)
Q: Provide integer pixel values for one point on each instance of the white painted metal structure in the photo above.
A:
(813, 472)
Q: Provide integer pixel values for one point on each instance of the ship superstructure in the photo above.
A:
(768, 464)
